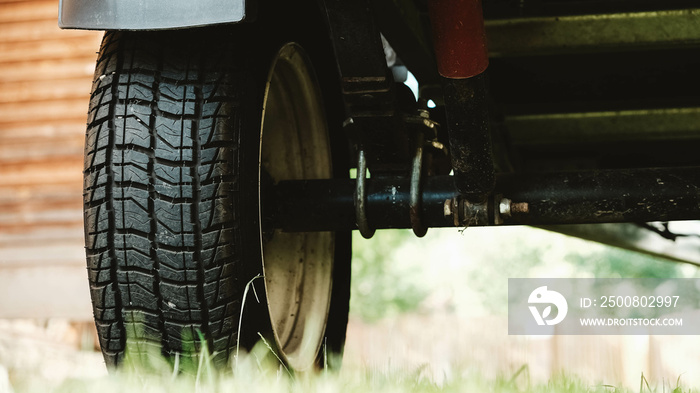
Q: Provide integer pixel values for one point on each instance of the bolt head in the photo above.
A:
(504, 207)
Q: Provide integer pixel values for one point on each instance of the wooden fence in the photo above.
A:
(45, 79)
(440, 345)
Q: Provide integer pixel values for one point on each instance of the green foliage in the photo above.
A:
(382, 284)
(395, 272)
(488, 276)
(612, 262)
(254, 376)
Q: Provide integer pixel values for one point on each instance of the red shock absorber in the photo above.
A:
(462, 58)
(459, 37)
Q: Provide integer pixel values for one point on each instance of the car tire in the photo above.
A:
(183, 127)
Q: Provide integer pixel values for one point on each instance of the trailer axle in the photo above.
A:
(611, 196)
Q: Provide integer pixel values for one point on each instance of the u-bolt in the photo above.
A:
(361, 197)
(415, 206)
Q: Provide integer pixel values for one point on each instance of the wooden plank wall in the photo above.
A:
(45, 80)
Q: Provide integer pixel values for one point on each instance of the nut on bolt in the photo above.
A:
(504, 207)
(447, 208)
(450, 209)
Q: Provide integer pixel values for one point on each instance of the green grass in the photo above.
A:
(393, 274)
(260, 372)
(253, 380)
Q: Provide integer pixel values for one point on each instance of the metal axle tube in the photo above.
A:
(637, 195)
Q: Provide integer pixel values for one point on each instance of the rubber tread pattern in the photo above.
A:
(160, 196)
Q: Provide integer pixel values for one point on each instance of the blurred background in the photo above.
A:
(435, 306)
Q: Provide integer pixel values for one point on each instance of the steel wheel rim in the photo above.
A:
(297, 267)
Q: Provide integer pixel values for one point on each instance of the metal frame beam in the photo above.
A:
(593, 33)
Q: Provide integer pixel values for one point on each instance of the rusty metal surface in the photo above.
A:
(638, 195)
(612, 196)
(469, 129)
(360, 197)
(416, 194)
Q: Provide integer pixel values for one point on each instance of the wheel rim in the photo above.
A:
(298, 267)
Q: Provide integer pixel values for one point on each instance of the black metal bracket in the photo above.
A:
(468, 124)
(373, 121)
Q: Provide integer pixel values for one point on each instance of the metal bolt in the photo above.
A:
(520, 208)
(447, 208)
(504, 207)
